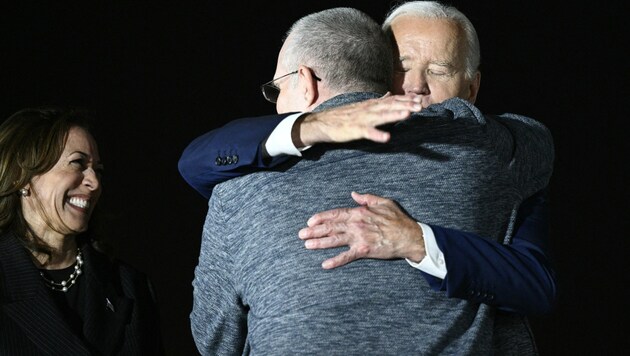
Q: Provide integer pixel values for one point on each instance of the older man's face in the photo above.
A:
(432, 62)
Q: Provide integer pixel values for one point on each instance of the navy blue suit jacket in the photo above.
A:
(516, 277)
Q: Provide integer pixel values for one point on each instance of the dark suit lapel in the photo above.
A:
(26, 300)
(106, 313)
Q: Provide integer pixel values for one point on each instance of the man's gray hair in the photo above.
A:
(345, 47)
(436, 10)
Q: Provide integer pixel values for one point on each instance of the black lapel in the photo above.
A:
(27, 301)
(107, 311)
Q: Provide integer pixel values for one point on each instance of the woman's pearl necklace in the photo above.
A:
(63, 286)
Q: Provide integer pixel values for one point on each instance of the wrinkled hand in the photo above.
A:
(356, 121)
(377, 229)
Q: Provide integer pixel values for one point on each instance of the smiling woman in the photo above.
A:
(58, 293)
(60, 202)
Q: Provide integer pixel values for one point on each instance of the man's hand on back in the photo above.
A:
(354, 121)
(377, 229)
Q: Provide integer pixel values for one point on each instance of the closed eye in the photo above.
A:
(79, 163)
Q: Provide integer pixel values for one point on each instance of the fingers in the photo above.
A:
(367, 128)
(392, 103)
(340, 260)
(383, 106)
(377, 135)
(343, 258)
(334, 214)
(346, 215)
(358, 120)
(368, 199)
(381, 112)
(325, 242)
(407, 98)
(377, 228)
(316, 231)
(380, 116)
(358, 198)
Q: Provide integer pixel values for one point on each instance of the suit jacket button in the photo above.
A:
(218, 161)
(235, 159)
(223, 160)
(228, 159)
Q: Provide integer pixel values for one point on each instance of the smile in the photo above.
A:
(79, 202)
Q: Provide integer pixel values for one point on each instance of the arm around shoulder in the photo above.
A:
(227, 152)
(518, 277)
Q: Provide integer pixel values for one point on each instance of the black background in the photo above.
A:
(158, 75)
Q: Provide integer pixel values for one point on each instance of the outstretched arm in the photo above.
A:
(356, 121)
(240, 147)
(516, 277)
(227, 152)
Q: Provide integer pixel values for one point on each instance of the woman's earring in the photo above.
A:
(24, 192)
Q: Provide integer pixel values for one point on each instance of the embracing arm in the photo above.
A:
(227, 152)
(516, 277)
(238, 147)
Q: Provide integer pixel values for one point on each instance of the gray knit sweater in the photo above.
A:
(258, 291)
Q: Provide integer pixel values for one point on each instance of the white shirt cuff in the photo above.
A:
(433, 263)
(280, 141)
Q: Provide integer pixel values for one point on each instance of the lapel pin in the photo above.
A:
(110, 306)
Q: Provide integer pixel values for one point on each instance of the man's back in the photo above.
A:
(258, 288)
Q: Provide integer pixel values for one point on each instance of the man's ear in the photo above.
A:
(473, 87)
(308, 85)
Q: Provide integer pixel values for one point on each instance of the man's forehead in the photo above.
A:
(437, 40)
(408, 26)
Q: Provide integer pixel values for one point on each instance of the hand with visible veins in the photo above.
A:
(377, 229)
(354, 121)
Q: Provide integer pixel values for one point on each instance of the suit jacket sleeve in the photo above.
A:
(517, 277)
(218, 318)
(228, 152)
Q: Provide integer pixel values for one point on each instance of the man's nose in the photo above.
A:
(415, 82)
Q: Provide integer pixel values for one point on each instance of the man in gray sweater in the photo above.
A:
(257, 290)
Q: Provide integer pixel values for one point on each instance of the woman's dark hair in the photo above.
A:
(31, 142)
